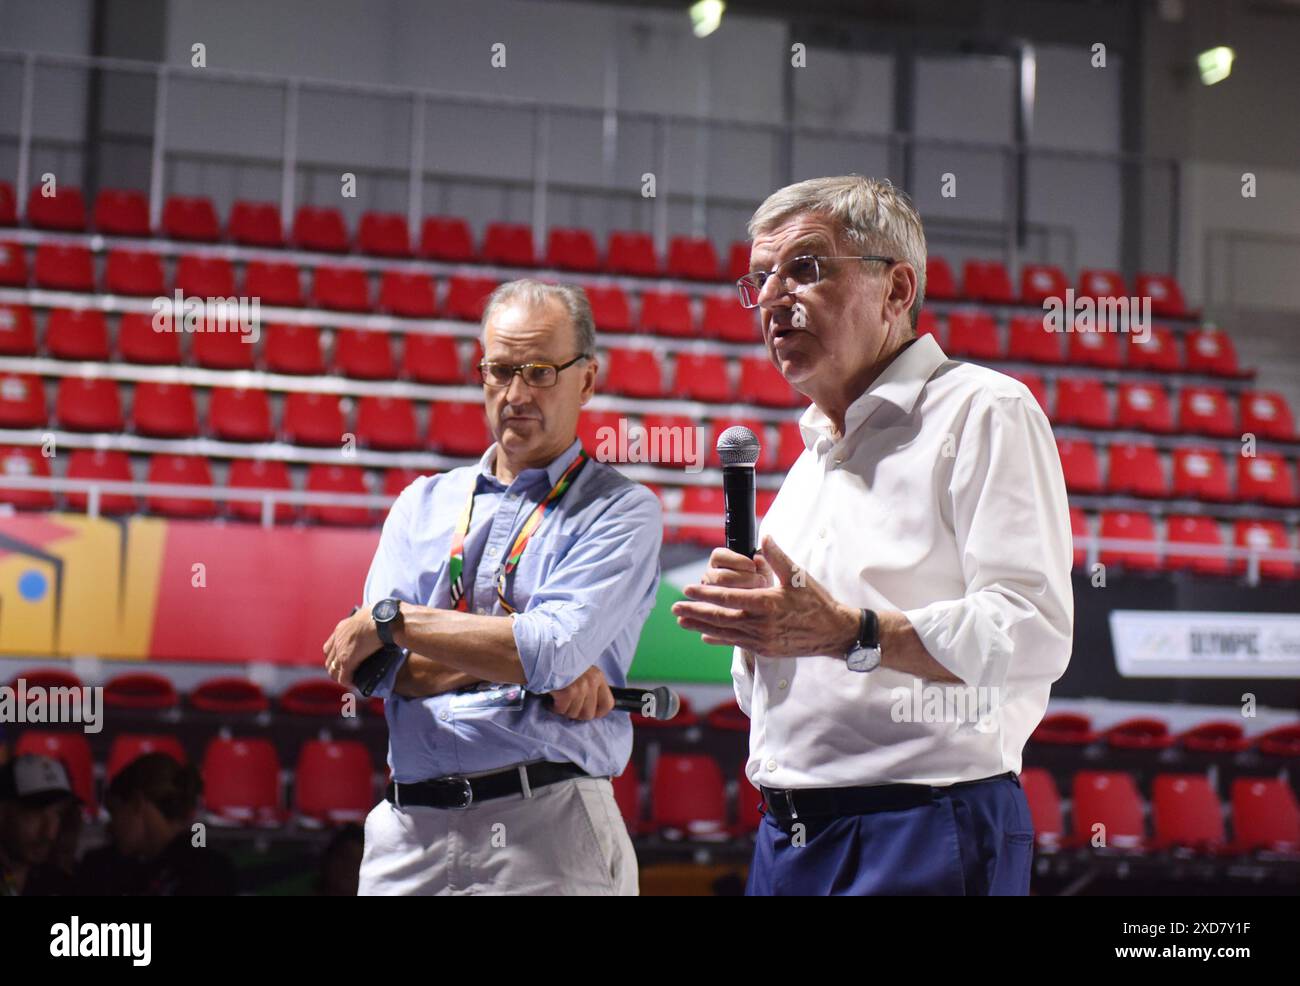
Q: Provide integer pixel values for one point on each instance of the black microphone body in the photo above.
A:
(738, 451)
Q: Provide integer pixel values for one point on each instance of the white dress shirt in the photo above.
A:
(944, 499)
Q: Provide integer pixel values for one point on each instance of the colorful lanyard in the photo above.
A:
(459, 600)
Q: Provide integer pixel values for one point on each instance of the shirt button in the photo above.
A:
(492, 552)
(821, 533)
(444, 715)
(783, 684)
(771, 765)
(481, 611)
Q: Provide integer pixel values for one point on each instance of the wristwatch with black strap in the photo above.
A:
(387, 614)
(864, 655)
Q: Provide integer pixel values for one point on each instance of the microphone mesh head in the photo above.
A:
(738, 446)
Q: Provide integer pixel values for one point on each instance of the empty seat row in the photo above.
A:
(1198, 472)
(978, 336)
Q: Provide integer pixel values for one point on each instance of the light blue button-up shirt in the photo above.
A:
(582, 589)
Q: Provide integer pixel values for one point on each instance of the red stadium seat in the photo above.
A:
(330, 478)
(705, 501)
(703, 377)
(1044, 806)
(930, 324)
(22, 401)
(205, 277)
(599, 442)
(8, 205)
(134, 272)
(987, 281)
(627, 795)
(633, 372)
(241, 782)
(293, 349)
(69, 748)
(727, 717)
(314, 697)
(1283, 741)
(121, 213)
(1101, 284)
(384, 234)
(1263, 535)
(1129, 525)
(64, 210)
(140, 690)
(406, 293)
(572, 249)
(223, 348)
(1139, 734)
(1160, 352)
(190, 218)
(238, 414)
(609, 308)
(1188, 531)
(973, 335)
(1098, 348)
(334, 782)
(25, 461)
(1199, 473)
(631, 253)
(678, 438)
(1186, 813)
(458, 429)
(130, 747)
(396, 480)
(316, 228)
(1038, 282)
(725, 319)
(363, 354)
(432, 359)
(1265, 478)
(1211, 351)
(749, 805)
(313, 419)
(181, 470)
(1034, 383)
(1144, 407)
(1064, 729)
(1206, 411)
(88, 404)
(17, 331)
(1166, 297)
(1080, 465)
(64, 267)
(467, 296)
(1107, 811)
(1029, 339)
(1079, 532)
(940, 285)
(76, 333)
(387, 423)
(688, 797)
(227, 695)
(1084, 402)
(446, 238)
(273, 283)
(762, 383)
(693, 258)
(1215, 737)
(260, 474)
(1136, 469)
(667, 313)
(165, 410)
(1265, 816)
(256, 224)
(345, 289)
(738, 260)
(509, 244)
(13, 264)
(790, 444)
(1265, 414)
(101, 464)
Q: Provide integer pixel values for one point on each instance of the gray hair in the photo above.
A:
(537, 293)
(874, 214)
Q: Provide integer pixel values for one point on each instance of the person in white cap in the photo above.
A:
(34, 791)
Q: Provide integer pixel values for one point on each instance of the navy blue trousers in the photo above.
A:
(971, 840)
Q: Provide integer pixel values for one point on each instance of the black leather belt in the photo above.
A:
(787, 804)
(461, 792)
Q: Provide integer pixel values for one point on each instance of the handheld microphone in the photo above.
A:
(371, 671)
(738, 448)
(660, 703)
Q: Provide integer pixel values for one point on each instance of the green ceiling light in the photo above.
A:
(1215, 64)
(706, 15)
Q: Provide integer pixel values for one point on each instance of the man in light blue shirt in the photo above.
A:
(531, 571)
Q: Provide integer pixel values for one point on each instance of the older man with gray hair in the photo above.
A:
(528, 573)
(897, 635)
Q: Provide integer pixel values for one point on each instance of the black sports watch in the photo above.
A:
(864, 655)
(387, 614)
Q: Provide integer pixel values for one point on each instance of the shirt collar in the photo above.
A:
(900, 384)
(553, 471)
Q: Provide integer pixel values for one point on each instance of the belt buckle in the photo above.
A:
(786, 795)
(466, 789)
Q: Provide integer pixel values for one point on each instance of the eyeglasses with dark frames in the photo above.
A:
(539, 375)
(800, 272)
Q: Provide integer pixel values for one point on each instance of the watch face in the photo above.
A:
(384, 610)
(864, 658)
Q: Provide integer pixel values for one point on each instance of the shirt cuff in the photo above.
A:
(384, 689)
(966, 641)
(743, 680)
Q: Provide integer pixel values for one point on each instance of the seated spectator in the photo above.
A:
(34, 792)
